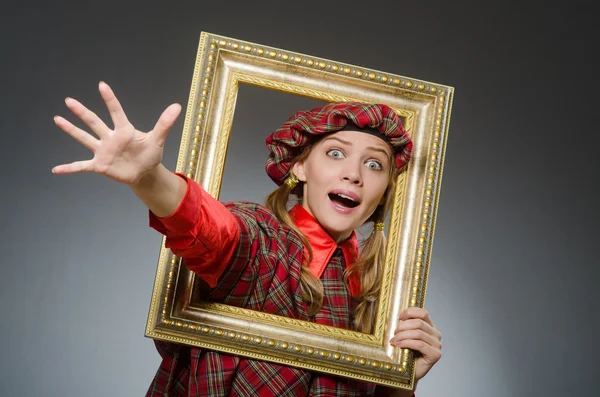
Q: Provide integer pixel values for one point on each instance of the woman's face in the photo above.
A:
(345, 177)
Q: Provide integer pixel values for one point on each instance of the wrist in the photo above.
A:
(161, 190)
(148, 179)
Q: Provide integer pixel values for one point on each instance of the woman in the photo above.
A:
(341, 160)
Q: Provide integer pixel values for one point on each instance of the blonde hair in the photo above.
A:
(369, 266)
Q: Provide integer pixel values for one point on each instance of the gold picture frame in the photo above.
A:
(175, 315)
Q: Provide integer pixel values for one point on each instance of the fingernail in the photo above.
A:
(67, 99)
(101, 82)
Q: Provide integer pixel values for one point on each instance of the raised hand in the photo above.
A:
(123, 154)
(416, 331)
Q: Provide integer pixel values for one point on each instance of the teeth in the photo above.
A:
(346, 197)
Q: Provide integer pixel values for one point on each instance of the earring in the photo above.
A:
(379, 226)
(291, 181)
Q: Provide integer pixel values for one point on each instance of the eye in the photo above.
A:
(335, 153)
(375, 165)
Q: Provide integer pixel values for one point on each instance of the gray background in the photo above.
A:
(514, 268)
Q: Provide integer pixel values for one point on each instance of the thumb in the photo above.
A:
(165, 122)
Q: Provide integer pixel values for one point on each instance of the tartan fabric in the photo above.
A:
(288, 140)
(263, 275)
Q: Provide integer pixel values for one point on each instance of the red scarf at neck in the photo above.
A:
(323, 246)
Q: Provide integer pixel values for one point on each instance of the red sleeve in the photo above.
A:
(201, 231)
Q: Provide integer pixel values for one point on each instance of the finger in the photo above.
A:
(416, 312)
(418, 324)
(80, 135)
(416, 335)
(117, 114)
(89, 118)
(428, 352)
(165, 122)
(427, 356)
(77, 166)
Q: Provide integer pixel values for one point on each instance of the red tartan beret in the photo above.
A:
(299, 130)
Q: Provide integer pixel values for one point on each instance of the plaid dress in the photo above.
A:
(262, 272)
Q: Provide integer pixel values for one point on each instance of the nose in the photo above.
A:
(352, 174)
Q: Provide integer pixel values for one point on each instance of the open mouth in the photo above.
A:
(343, 200)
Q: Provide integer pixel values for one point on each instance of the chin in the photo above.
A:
(340, 228)
(336, 223)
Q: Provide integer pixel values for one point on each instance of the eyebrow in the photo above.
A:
(350, 144)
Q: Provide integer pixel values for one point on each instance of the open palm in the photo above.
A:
(123, 154)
